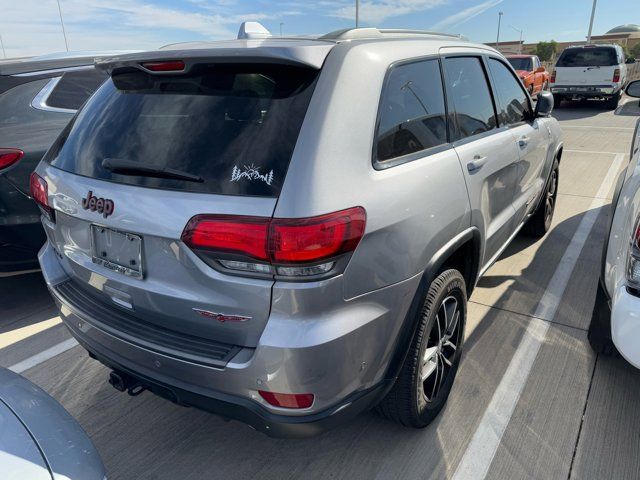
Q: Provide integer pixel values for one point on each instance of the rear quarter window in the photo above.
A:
(74, 88)
(232, 126)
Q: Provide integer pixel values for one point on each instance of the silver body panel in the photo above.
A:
(59, 449)
(332, 337)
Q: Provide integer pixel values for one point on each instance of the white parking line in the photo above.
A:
(596, 127)
(481, 450)
(21, 272)
(568, 150)
(47, 354)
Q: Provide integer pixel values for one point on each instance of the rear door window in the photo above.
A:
(225, 128)
(512, 99)
(469, 94)
(588, 57)
(75, 87)
(519, 63)
(412, 113)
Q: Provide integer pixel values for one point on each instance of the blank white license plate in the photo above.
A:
(118, 251)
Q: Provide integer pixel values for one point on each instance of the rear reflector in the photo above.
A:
(287, 400)
(9, 156)
(171, 66)
(278, 241)
(40, 193)
(616, 75)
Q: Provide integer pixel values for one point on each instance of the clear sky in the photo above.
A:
(30, 27)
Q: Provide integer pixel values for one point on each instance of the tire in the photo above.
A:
(540, 222)
(613, 101)
(599, 333)
(557, 100)
(415, 402)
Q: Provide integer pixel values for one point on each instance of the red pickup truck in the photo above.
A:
(534, 76)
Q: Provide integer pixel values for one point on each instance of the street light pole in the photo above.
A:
(4, 53)
(281, 24)
(357, 13)
(64, 33)
(520, 44)
(498, 36)
(593, 14)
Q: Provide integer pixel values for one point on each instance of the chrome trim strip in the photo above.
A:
(40, 100)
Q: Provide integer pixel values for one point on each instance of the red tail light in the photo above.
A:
(278, 241)
(616, 75)
(9, 156)
(553, 76)
(287, 400)
(40, 193)
(633, 259)
(170, 66)
(318, 238)
(228, 234)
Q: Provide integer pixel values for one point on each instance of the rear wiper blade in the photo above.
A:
(128, 167)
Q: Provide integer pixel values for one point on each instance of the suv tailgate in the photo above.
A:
(586, 66)
(229, 131)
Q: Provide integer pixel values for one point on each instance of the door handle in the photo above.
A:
(523, 141)
(477, 163)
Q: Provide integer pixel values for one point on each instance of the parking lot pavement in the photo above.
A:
(531, 400)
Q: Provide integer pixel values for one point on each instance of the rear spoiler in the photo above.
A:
(312, 56)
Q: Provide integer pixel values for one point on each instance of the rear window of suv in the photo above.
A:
(588, 57)
(224, 128)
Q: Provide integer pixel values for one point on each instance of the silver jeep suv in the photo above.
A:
(286, 231)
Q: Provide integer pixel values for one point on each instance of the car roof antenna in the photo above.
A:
(251, 30)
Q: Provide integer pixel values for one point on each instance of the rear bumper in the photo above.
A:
(625, 324)
(344, 371)
(252, 414)
(585, 91)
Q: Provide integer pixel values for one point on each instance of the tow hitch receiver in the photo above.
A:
(123, 382)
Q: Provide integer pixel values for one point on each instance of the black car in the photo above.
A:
(38, 98)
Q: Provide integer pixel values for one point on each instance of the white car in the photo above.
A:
(590, 71)
(615, 325)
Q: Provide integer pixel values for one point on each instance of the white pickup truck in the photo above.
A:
(615, 326)
(590, 71)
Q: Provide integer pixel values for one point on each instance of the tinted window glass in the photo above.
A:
(74, 88)
(234, 126)
(412, 113)
(469, 93)
(521, 63)
(588, 57)
(514, 104)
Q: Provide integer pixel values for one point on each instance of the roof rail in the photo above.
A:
(363, 33)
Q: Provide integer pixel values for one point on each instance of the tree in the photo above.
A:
(635, 50)
(546, 50)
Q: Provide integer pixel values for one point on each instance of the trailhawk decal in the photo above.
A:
(251, 172)
(221, 317)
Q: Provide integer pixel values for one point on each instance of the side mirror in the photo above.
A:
(633, 89)
(630, 60)
(544, 105)
(8, 158)
(540, 70)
